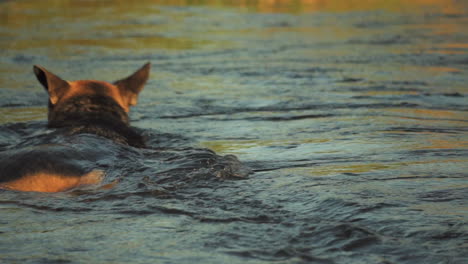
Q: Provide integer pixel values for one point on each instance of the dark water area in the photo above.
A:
(350, 121)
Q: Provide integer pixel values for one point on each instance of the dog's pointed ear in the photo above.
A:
(54, 85)
(131, 86)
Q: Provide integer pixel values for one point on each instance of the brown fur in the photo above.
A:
(47, 182)
(83, 106)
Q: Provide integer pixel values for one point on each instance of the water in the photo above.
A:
(351, 118)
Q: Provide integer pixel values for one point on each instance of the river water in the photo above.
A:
(350, 120)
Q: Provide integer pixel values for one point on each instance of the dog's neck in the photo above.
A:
(99, 115)
(81, 108)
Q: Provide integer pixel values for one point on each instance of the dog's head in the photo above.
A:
(124, 92)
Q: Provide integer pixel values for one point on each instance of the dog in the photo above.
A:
(74, 107)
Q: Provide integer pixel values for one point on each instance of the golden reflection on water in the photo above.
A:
(354, 168)
(437, 143)
(274, 6)
(70, 27)
(22, 114)
(380, 93)
(50, 23)
(443, 70)
(430, 113)
(330, 170)
(78, 9)
(135, 43)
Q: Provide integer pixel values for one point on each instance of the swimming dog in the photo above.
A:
(75, 107)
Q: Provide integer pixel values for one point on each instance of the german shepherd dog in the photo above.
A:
(75, 107)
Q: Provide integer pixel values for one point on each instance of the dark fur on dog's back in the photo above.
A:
(56, 159)
(98, 115)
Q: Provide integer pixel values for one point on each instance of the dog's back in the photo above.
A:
(77, 107)
(46, 168)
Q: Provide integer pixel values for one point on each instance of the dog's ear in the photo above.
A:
(54, 85)
(131, 86)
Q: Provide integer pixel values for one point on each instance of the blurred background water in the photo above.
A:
(351, 116)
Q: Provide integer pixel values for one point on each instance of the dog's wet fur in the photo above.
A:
(75, 107)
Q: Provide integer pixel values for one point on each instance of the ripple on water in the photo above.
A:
(350, 123)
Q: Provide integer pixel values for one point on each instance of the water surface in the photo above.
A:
(352, 118)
